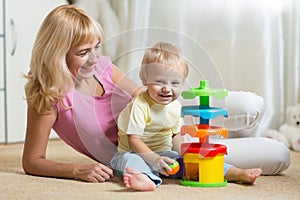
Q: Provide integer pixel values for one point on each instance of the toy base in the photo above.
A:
(198, 184)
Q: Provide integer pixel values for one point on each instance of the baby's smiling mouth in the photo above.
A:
(165, 95)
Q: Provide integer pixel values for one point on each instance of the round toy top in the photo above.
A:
(204, 90)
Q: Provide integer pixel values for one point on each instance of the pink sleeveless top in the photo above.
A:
(90, 124)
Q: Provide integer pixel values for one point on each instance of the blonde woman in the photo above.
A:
(70, 86)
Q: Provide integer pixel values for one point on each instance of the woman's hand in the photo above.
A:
(96, 173)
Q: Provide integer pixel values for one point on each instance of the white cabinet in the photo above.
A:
(22, 21)
(2, 122)
(2, 87)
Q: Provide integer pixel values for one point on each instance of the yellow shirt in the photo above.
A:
(154, 122)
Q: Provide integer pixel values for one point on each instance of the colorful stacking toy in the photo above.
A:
(203, 161)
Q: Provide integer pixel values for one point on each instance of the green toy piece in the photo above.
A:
(203, 91)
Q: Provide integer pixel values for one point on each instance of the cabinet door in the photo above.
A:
(23, 19)
(2, 110)
(2, 127)
(2, 92)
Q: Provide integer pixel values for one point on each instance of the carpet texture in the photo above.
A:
(15, 184)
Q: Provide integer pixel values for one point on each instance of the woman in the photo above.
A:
(65, 64)
(79, 93)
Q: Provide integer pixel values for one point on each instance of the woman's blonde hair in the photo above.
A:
(49, 78)
(165, 53)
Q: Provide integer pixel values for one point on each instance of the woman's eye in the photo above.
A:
(97, 47)
(83, 53)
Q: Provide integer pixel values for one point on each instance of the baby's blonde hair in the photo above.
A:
(167, 54)
(49, 78)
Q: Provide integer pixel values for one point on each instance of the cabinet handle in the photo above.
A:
(14, 36)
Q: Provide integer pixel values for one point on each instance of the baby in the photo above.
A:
(149, 125)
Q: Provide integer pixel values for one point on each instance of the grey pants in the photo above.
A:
(129, 159)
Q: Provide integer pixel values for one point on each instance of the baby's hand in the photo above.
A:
(162, 165)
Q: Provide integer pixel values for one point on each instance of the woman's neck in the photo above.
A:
(90, 87)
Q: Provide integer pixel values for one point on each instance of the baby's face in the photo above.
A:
(164, 83)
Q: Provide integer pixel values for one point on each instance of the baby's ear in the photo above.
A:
(142, 76)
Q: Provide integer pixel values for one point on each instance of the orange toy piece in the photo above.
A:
(202, 131)
(175, 168)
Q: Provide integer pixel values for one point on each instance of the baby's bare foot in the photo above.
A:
(247, 176)
(137, 180)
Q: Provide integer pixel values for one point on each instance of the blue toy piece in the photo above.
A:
(203, 111)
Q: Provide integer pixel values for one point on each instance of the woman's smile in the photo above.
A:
(88, 69)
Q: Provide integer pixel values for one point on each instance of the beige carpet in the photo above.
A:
(14, 184)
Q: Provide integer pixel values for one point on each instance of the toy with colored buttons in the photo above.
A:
(174, 168)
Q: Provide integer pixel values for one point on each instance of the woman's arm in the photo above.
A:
(34, 154)
(125, 83)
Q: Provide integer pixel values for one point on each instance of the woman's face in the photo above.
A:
(81, 59)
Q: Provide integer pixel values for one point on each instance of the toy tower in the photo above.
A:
(203, 161)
